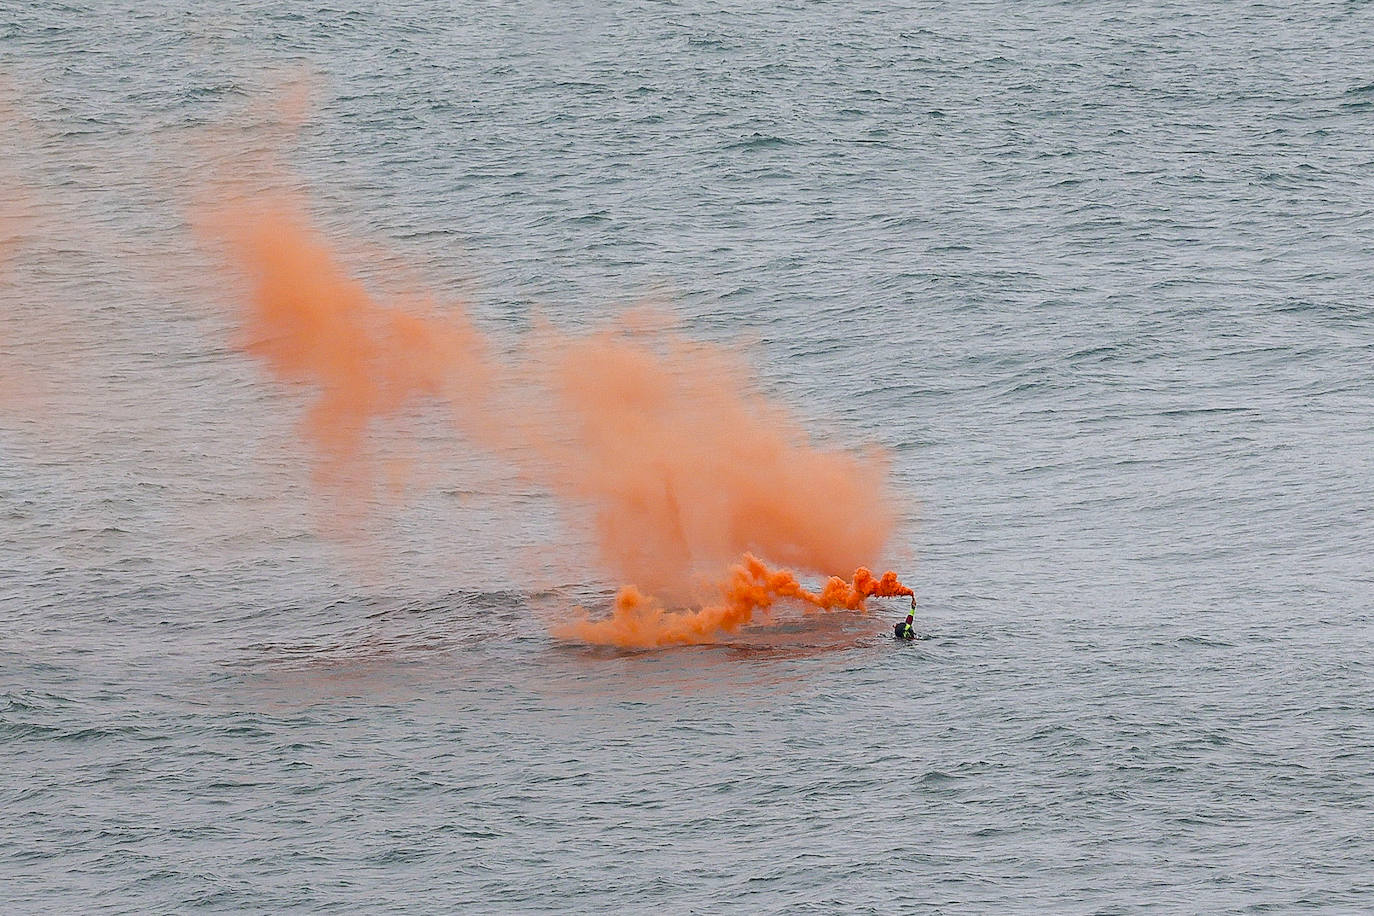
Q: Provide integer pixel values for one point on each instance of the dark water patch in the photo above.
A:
(758, 141)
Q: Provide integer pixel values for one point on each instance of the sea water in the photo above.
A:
(1096, 275)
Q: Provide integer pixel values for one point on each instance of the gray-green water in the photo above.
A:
(1098, 274)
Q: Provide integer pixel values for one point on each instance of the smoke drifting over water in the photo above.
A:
(698, 492)
(313, 324)
(691, 478)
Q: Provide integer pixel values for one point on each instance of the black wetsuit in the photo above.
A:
(903, 630)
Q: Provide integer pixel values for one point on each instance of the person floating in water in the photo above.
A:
(904, 629)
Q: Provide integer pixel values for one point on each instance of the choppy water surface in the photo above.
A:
(1097, 274)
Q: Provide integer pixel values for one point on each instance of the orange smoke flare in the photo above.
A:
(682, 464)
(638, 621)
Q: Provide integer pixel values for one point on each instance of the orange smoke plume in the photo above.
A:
(687, 467)
(313, 324)
(681, 464)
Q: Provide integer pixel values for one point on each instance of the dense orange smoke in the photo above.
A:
(686, 467)
(666, 444)
(641, 622)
